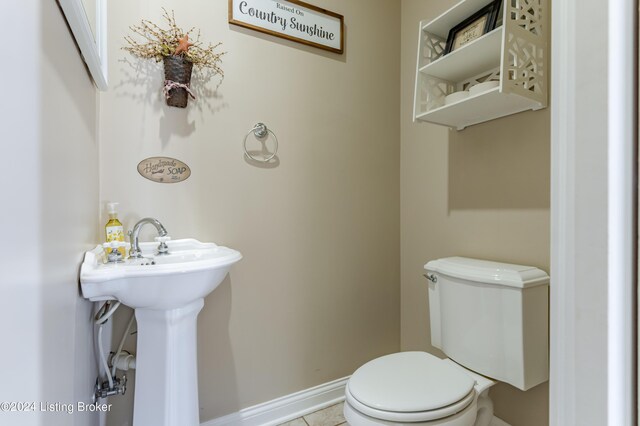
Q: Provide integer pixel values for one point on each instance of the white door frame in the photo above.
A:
(577, 272)
(622, 117)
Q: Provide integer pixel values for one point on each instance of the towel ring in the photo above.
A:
(261, 131)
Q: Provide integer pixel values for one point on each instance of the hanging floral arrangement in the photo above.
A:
(173, 47)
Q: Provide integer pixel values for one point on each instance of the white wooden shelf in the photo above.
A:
(441, 25)
(515, 55)
(472, 59)
(479, 108)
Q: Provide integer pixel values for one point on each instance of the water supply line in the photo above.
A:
(121, 359)
(124, 363)
(102, 317)
(104, 313)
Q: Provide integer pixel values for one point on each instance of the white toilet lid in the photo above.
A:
(409, 382)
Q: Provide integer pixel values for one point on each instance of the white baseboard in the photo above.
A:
(286, 408)
(290, 407)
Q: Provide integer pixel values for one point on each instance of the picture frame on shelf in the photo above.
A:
(499, 15)
(473, 27)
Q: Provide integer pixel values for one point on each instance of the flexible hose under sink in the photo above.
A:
(103, 361)
(121, 345)
(100, 320)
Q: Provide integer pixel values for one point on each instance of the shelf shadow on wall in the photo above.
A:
(502, 164)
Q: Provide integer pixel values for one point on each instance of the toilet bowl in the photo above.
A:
(417, 388)
(491, 318)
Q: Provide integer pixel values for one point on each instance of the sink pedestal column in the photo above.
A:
(166, 389)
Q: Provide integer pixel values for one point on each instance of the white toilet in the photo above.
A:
(490, 319)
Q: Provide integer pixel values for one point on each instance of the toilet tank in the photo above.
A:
(492, 318)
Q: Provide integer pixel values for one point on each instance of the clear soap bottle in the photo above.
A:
(113, 229)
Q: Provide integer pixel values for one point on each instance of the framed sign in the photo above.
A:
(473, 27)
(291, 19)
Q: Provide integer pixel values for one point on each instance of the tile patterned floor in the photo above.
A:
(330, 416)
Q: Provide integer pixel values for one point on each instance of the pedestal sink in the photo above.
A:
(167, 292)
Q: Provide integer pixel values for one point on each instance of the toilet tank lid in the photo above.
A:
(484, 271)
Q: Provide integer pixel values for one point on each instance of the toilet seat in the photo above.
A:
(410, 417)
(409, 387)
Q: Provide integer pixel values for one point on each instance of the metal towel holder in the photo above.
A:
(261, 131)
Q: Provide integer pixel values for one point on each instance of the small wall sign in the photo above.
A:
(164, 170)
(292, 20)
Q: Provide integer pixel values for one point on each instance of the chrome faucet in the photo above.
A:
(136, 253)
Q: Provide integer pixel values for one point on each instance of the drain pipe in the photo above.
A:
(123, 360)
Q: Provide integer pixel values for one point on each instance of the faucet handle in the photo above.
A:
(114, 255)
(162, 248)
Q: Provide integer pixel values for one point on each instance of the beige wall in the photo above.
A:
(49, 212)
(482, 192)
(317, 293)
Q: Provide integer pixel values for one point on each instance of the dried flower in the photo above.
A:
(161, 42)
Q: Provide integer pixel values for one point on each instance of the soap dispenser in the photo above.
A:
(113, 229)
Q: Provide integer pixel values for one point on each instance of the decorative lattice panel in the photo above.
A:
(432, 47)
(527, 14)
(421, 98)
(431, 94)
(436, 91)
(492, 75)
(525, 51)
(525, 66)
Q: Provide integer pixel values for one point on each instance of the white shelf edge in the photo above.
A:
(473, 122)
(424, 69)
(442, 15)
(446, 115)
(443, 107)
(455, 12)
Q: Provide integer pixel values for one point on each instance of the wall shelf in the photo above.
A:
(514, 54)
(478, 109)
(479, 55)
(441, 25)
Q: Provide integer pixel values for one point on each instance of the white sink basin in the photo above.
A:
(167, 292)
(189, 272)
